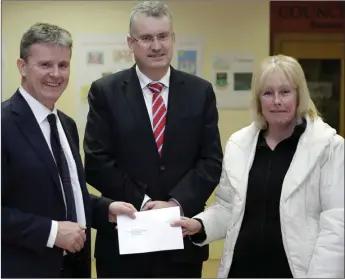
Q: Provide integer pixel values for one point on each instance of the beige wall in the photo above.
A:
(241, 26)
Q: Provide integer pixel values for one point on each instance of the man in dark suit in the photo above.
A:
(152, 140)
(46, 211)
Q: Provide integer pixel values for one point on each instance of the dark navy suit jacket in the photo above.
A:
(31, 196)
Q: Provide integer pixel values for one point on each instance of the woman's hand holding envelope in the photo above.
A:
(189, 226)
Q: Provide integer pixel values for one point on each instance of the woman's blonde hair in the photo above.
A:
(294, 73)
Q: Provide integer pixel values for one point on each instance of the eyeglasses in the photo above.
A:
(147, 40)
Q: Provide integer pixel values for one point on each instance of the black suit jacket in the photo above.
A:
(121, 158)
(31, 196)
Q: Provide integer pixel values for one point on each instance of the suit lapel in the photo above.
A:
(77, 159)
(72, 145)
(135, 99)
(176, 102)
(28, 125)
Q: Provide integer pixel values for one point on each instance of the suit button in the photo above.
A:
(162, 168)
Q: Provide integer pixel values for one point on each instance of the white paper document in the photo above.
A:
(150, 231)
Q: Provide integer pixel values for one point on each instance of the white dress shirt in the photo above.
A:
(144, 82)
(41, 112)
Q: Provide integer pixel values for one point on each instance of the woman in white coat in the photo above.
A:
(280, 202)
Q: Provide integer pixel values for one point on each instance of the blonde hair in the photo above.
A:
(293, 71)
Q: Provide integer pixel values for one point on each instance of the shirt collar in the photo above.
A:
(144, 80)
(40, 111)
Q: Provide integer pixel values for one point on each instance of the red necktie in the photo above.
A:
(158, 114)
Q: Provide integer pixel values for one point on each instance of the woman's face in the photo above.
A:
(278, 100)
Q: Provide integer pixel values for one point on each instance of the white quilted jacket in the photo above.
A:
(311, 205)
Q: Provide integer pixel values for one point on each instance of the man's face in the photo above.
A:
(45, 74)
(152, 42)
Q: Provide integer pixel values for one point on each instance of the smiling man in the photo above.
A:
(152, 140)
(46, 211)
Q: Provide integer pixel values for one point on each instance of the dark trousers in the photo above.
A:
(120, 268)
(75, 266)
(67, 270)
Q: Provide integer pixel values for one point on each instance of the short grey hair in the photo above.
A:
(149, 9)
(44, 33)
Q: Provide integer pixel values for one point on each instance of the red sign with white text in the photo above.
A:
(307, 17)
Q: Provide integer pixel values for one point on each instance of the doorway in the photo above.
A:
(322, 57)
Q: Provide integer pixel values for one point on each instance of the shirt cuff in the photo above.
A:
(53, 234)
(146, 199)
(181, 209)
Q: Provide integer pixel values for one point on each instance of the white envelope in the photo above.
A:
(150, 231)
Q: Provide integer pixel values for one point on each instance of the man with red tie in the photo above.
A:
(152, 139)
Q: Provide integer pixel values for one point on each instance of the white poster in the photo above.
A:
(231, 78)
(188, 54)
(98, 56)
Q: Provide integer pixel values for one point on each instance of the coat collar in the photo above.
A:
(309, 149)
